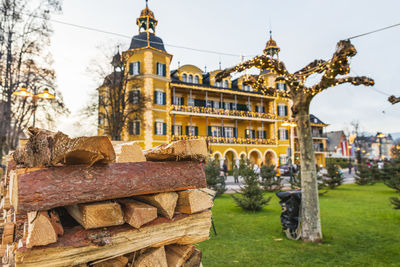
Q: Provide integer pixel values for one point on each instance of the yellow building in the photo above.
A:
(189, 103)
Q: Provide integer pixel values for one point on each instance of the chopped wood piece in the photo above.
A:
(194, 260)
(178, 254)
(152, 257)
(191, 201)
(46, 148)
(77, 246)
(164, 202)
(120, 261)
(8, 233)
(96, 215)
(195, 149)
(5, 202)
(128, 152)
(67, 185)
(137, 213)
(41, 230)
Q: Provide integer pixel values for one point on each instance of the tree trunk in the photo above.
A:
(310, 217)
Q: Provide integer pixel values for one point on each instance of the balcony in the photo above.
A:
(228, 140)
(222, 113)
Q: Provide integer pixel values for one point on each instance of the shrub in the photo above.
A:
(269, 181)
(214, 182)
(333, 178)
(363, 175)
(251, 196)
(342, 162)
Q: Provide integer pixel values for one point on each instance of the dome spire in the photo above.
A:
(147, 21)
(271, 48)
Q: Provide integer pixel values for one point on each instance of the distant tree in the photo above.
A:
(251, 196)
(214, 181)
(25, 62)
(363, 175)
(296, 89)
(269, 181)
(334, 177)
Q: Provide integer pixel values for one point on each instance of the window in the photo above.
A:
(177, 130)
(160, 128)
(227, 105)
(261, 134)
(160, 98)
(281, 86)
(247, 87)
(226, 84)
(196, 79)
(249, 133)
(283, 134)
(192, 130)
(161, 69)
(216, 131)
(260, 109)
(178, 100)
(228, 131)
(234, 106)
(184, 78)
(191, 102)
(248, 107)
(218, 84)
(134, 97)
(216, 104)
(134, 127)
(101, 119)
(282, 110)
(190, 80)
(134, 68)
(209, 103)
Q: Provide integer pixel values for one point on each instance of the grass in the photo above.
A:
(359, 226)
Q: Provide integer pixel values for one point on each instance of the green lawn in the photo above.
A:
(359, 226)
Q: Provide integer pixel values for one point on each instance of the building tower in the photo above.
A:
(271, 48)
(149, 61)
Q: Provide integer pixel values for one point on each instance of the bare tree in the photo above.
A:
(301, 95)
(119, 97)
(392, 99)
(25, 62)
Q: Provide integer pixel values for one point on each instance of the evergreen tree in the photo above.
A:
(269, 181)
(214, 181)
(376, 173)
(396, 202)
(363, 175)
(297, 183)
(251, 196)
(333, 178)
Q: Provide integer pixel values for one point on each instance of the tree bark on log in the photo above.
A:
(61, 186)
(46, 148)
(310, 215)
(77, 246)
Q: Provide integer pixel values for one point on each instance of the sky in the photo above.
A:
(304, 30)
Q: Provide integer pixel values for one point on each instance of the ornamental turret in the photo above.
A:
(147, 21)
(271, 48)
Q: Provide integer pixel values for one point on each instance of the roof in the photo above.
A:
(147, 39)
(314, 119)
(334, 139)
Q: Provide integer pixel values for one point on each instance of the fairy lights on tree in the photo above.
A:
(334, 72)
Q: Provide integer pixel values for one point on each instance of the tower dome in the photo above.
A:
(271, 48)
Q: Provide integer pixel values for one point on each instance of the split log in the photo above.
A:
(46, 148)
(177, 255)
(192, 201)
(128, 152)
(164, 202)
(79, 246)
(137, 213)
(42, 230)
(120, 261)
(194, 260)
(5, 203)
(152, 257)
(8, 233)
(195, 149)
(96, 215)
(48, 188)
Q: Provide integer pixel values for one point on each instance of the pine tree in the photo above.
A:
(363, 175)
(251, 196)
(391, 176)
(214, 182)
(269, 181)
(396, 202)
(296, 183)
(333, 178)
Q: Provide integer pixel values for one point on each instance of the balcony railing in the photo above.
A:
(227, 140)
(226, 112)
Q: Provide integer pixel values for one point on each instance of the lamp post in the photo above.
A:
(23, 92)
(291, 125)
(380, 136)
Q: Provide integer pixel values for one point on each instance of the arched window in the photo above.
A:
(226, 84)
(190, 78)
(184, 78)
(196, 79)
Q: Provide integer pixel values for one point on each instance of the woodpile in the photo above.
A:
(91, 202)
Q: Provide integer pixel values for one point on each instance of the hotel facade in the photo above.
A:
(188, 103)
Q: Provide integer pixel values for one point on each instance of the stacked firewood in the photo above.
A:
(89, 202)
